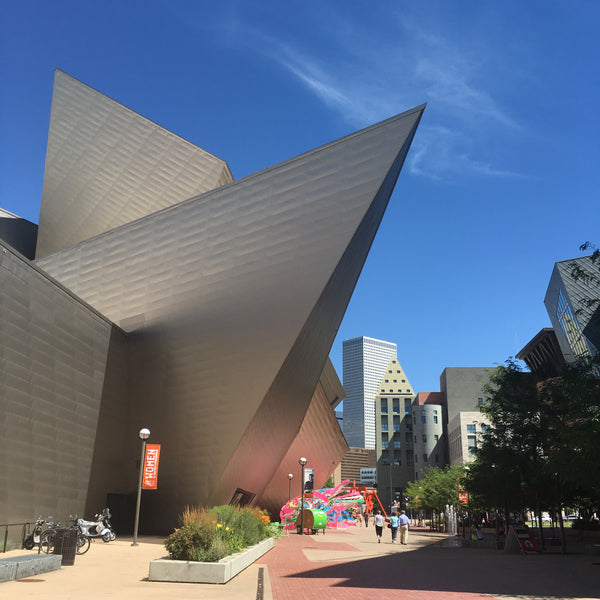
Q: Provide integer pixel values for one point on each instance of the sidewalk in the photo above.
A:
(339, 565)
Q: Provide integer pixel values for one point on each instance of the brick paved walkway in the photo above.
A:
(310, 568)
(350, 565)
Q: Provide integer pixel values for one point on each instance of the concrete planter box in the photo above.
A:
(186, 571)
(17, 567)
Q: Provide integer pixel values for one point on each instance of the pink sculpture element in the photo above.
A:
(336, 502)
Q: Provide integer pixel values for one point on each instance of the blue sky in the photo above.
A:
(502, 179)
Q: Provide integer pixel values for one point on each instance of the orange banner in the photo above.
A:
(150, 477)
(463, 495)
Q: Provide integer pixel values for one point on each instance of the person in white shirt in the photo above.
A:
(378, 525)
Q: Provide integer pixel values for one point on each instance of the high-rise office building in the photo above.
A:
(365, 361)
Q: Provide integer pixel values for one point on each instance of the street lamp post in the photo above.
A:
(290, 477)
(302, 463)
(391, 490)
(144, 435)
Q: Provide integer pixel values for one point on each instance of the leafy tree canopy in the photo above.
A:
(544, 438)
(437, 488)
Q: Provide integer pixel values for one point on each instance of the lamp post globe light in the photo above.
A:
(290, 477)
(302, 463)
(144, 434)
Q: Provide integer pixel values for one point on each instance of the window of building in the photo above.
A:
(408, 437)
(424, 439)
(396, 426)
(408, 390)
(384, 426)
(389, 371)
(396, 405)
(472, 444)
(384, 443)
(435, 419)
(384, 406)
(424, 458)
(415, 439)
(479, 400)
(416, 459)
(484, 428)
(471, 428)
(423, 419)
(408, 426)
(387, 380)
(570, 326)
(385, 461)
(396, 443)
(436, 437)
(404, 380)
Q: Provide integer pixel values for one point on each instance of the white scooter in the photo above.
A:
(101, 527)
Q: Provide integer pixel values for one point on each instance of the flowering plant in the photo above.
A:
(210, 534)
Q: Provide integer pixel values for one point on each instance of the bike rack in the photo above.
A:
(23, 532)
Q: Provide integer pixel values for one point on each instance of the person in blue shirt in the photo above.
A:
(394, 522)
(404, 523)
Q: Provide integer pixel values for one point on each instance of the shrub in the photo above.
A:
(186, 542)
(209, 535)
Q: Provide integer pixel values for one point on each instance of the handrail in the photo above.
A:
(7, 525)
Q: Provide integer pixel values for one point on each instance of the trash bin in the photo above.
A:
(314, 519)
(65, 543)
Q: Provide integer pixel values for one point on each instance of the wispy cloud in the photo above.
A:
(365, 80)
(444, 154)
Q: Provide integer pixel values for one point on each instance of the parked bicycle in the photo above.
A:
(42, 536)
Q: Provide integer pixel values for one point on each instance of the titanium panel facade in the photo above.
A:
(268, 262)
(216, 313)
(319, 439)
(107, 165)
(56, 373)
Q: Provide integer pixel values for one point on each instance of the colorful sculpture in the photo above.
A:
(337, 503)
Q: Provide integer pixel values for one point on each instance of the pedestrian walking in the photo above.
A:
(394, 523)
(366, 518)
(378, 526)
(404, 523)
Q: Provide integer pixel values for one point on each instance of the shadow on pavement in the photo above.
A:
(469, 571)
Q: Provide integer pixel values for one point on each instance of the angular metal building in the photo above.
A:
(572, 302)
(166, 295)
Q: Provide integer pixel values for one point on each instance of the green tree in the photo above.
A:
(437, 488)
(329, 483)
(572, 402)
(542, 447)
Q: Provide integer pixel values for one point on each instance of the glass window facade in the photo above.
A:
(570, 327)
